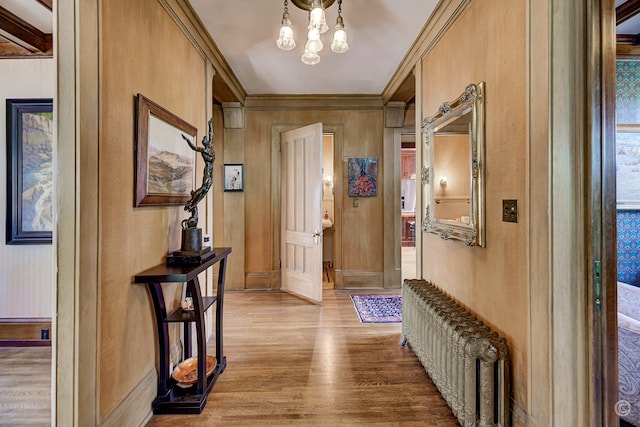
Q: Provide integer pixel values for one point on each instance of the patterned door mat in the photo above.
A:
(376, 308)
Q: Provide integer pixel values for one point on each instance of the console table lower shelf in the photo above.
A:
(171, 397)
(180, 400)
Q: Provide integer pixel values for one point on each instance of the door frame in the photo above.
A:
(397, 148)
(276, 165)
(573, 362)
(602, 206)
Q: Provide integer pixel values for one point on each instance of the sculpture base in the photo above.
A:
(191, 239)
(190, 258)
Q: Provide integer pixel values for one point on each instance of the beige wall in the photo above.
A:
(491, 281)
(145, 52)
(26, 271)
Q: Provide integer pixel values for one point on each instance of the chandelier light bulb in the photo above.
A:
(310, 58)
(313, 34)
(314, 46)
(317, 17)
(285, 40)
(340, 44)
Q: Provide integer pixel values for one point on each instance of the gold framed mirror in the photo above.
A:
(453, 168)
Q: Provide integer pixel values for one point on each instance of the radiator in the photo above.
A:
(466, 360)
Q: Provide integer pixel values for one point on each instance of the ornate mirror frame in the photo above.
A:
(470, 102)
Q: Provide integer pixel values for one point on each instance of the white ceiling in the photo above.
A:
(380, 32)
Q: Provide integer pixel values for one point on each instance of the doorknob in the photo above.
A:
(316, 234)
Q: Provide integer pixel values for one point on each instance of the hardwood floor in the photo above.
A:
(291, 362)
(25, 386)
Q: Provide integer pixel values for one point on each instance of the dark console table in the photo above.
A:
(171, 398)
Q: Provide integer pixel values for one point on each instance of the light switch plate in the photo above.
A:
(510, 211)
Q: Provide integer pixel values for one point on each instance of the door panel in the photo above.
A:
(301, 192)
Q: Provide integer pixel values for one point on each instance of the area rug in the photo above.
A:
(374, 308)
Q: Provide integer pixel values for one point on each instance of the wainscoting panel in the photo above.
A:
(362, 279)
(265, 280)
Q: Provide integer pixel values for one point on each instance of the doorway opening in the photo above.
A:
(408, 204)
(328, 211)
(627, 145)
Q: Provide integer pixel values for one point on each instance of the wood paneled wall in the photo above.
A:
(488, 43)
(145, 52)
(358, 259)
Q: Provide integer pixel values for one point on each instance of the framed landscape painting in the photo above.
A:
(29, 171)
(165, 164)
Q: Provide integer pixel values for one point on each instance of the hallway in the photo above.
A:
(294, 363)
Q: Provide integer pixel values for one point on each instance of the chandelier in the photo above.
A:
(317, 26)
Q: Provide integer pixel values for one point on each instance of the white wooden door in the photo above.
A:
(301, 223)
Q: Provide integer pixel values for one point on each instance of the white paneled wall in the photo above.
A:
(26, 271)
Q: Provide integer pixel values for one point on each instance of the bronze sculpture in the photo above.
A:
(209, 156)
(191, 235)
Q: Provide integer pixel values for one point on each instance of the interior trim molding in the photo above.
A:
(135, 409)
(436, 26)
(24, 34)
(362, 279)
(258, 281)
(313, 102)
(24, 332)
(188, 21)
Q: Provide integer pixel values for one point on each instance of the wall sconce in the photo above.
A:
(443, 182)
(327, 180)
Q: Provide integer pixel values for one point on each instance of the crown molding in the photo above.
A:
(436, 26)
(314, 102)
(188, 21)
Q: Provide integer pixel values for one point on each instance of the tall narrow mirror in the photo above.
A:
(453, 168)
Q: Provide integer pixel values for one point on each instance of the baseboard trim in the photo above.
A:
(24, 332)
(135, 408)
(262, 281)
(25, 343)
(257, 281)
(362, 279)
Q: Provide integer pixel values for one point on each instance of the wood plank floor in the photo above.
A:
(25, 386)
(291, 362)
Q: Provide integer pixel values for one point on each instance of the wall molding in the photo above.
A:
(258, 280)
(313, 102)
(24, 332)
(135, 408)
(353, 279)
(436, 26)
(188, 21)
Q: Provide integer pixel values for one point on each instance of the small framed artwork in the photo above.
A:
(363, 177)
(164, 162)
(29, 171)
(233, 177)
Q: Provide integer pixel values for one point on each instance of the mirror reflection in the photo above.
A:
(452, 171)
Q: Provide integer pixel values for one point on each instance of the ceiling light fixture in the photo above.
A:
(317, 26)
